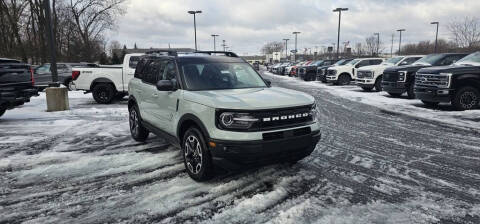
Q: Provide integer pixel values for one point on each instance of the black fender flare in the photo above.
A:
(102, 80)
(191, 118)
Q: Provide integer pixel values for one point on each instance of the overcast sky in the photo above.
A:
(247, 25)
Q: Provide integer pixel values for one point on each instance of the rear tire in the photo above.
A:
(430, 104)
(196, 157)
(68, 84)
(103, 93)
(344, 79)
(395, 94)
(466, 98)
(378, 84)
(138, 132)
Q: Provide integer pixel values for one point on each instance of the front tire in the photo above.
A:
(466, 98)
(103, 93)
(138, 132)
(367, 89)
(344, 79)
(2, 110)
(411, 91)
(196, 157)
(378, 84)
(395, 94)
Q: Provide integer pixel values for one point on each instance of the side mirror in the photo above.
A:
(269, 83)
(166, 85)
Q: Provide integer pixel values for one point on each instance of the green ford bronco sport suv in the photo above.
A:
(219, 111)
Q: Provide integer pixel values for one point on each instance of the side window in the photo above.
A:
(62, 67)
(362, 63)
(376, 62)
(170, 72)
(139, 68)
(133, 61)
(150, 73)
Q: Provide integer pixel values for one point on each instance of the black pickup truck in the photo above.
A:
(309, 72)
(322, 70)
(16, 84)
(458, 84)
(399, 79)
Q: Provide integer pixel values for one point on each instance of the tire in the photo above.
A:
(2, 110)
(430, 104)
(68, 84)
(138, 132)
(196, 157)
(411, 91)
(395, 94)
(344, 79)
(368, 89)
(466, 98)
(103, 93)
(378, 84)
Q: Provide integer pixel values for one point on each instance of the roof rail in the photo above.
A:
(163, 52)
(226, 53)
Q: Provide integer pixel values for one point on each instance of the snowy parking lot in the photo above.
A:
(371, 166)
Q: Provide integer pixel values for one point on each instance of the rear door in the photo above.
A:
(148, 90)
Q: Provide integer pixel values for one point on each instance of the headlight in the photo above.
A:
(402, 76)
(445, 80)
(234, 120)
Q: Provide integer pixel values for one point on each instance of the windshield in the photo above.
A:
(211, 76)
(352, 62)
(393, 61)
(317, 63)
(342, 62)
(429, 59)
(471, 59)
(43, 69)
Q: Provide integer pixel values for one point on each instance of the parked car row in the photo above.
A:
(447, 77)
(16, 84)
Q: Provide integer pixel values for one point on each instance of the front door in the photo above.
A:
(166, 101)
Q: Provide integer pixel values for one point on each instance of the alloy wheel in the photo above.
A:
(193, 154)
(468, 100)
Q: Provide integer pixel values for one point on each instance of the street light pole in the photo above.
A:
(378, 42)
(195, 25)
(400, 41)
(436, 35)
(286, 47)
(214, 45)
(224, 46)
(296, 33)
(51, 44)
(339, 10)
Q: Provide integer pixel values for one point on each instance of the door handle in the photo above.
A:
(155, 95)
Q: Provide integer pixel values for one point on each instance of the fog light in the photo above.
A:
(442, 92)
(212, 144)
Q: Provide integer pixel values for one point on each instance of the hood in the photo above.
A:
(338, 67)
(449, 69)
(250, 99)
(373, 67)
(408, 68)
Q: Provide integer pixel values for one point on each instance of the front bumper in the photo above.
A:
(394, 87)
(365, 82)
(331, 78)
(290, 145)
(433, 94)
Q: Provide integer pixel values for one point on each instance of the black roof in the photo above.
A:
(197, 57)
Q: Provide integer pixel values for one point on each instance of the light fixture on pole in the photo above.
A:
(296, 33)
(378, 41)
(195, 25)
(436, 35)
(339, 10)
(286, 47)
(214, 44)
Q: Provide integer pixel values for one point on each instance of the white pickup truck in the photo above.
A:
(106, 82)
(344, 74)
(370, 77)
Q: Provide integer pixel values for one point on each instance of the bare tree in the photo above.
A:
(466, 32)
(114, 45)
(274, 46)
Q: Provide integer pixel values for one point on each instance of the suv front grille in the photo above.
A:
(331, 72)
(281, 118)
(390, 76)
(364, 74)
(432, 80)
